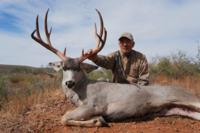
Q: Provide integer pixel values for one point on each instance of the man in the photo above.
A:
(127, 65)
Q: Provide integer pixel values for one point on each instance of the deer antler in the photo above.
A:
(47, 45)
(100, 40)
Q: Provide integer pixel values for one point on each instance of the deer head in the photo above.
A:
(72, 67)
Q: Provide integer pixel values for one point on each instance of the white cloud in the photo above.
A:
(159, 27)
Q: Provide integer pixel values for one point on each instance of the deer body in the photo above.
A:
(113, 102)
(98, 102)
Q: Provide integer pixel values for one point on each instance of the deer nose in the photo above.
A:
(70, 83)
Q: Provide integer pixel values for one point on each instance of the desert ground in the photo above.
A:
(43, 111)
(45, 118)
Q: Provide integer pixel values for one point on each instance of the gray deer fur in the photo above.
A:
(98, 102)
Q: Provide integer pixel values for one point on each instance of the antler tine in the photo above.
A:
(64, 51)
(37, 27)
(37, 38)
(101, 24)
(100, 41)
(103, 41)
(46, 28)
(48, 45)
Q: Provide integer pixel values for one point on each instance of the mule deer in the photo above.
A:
(98, 102)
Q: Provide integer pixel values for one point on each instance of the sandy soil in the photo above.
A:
(45, 118)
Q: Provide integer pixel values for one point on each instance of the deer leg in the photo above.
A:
(83, 116)
(93, 122)
(183, 112)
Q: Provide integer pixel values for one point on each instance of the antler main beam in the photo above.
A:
(100, 39)
(37, 37)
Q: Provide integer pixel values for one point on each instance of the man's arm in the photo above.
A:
(143, 72)
(104, 61)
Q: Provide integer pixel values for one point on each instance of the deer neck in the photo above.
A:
(82, 82)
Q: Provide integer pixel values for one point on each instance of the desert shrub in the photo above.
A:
(24, 84)
(16, 79)
(3, 92)
(21, 69)
(2, 88)
(163, 66)
(18, 87)
(176, 65)
(198, 57)
(102, 73)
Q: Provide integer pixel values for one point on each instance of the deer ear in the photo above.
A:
(57, 66)
(88, 67)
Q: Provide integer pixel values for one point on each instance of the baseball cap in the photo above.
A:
(127, 35)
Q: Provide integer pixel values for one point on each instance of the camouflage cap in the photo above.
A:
(127, 35)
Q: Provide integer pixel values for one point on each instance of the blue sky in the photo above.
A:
(160, 27)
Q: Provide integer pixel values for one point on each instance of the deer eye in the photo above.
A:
(65, 68)
(76, 69)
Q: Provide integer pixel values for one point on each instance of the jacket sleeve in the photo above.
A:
(105, 61)
(143, 72)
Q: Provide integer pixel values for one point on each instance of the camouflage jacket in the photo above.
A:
(126, 69)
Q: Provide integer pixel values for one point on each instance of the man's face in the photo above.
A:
(125, 45)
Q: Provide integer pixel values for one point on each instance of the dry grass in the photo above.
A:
(189, 82)
(18, 105)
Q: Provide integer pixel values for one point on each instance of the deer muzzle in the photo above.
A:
(70, 84)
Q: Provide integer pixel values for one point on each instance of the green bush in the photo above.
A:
(102, 73)
(177, 65)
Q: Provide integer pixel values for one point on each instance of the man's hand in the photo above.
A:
(90, 52)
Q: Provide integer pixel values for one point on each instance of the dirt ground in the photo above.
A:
(45, 118)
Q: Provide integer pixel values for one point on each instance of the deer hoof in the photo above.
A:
(100, 123)
(64, 120)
